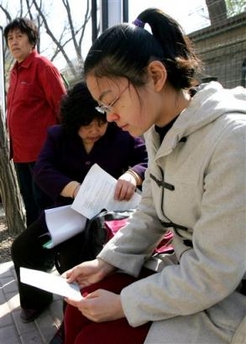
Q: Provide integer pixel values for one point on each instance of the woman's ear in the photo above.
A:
(158, 73)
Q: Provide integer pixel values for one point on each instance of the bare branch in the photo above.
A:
(70, 21)
(50, 33)
(87, 17)
(6, 12)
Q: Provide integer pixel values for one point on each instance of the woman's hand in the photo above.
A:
(89, 272)
(99, 306)
(125, 187)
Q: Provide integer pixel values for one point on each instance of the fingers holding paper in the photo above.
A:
(125, 187)
(93, 305)
(89, 272)
(101, 305)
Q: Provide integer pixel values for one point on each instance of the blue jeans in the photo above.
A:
(35, 200)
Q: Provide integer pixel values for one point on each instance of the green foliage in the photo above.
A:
(235, 7)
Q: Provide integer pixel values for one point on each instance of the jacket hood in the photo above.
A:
(210, 102)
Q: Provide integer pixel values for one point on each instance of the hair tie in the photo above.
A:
(138, 23)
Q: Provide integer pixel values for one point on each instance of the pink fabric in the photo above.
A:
(166, 243)
(114, 225)
(164, 246)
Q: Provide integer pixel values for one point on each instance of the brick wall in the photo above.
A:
(222, 48)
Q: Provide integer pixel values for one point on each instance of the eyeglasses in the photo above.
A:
(103, 108)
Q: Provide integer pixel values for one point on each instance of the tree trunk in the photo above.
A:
(10, 194)
(217, 11)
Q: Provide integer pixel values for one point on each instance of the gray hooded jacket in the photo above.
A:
(195, 185)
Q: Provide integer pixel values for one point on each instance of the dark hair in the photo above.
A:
(78, 109)
(26, 26)
(125, 50)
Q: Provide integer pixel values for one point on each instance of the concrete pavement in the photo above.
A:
(12, 329)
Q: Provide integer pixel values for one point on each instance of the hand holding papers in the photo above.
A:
(97, 193)
(54, 284)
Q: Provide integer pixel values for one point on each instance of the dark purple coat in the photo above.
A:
(63, 159)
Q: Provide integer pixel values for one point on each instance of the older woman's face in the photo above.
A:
(92, 132)
(131, 110)
(19, 45)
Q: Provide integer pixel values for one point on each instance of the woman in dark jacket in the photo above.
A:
(84, 138)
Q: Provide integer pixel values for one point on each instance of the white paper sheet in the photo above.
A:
(49, 282)
(63, 223)
(97, 193)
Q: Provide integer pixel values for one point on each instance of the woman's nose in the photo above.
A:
(94, 131)
(112, 117)
(13, 41)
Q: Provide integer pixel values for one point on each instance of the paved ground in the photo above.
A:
(12, 330)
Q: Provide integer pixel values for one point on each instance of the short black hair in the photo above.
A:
(78, 108)
(26, 26)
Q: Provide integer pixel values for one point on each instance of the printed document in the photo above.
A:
(97, 193)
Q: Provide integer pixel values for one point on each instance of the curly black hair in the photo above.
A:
(78, 109)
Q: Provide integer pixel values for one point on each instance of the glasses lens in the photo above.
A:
(100, 109)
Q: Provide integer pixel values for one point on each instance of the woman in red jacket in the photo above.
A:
(34, 94)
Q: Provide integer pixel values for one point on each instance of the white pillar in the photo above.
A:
(111, 13)
(114, 12)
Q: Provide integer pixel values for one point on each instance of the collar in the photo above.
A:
(28, 60)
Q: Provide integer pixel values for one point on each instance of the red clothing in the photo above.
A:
(34, 95)
(79, 329)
